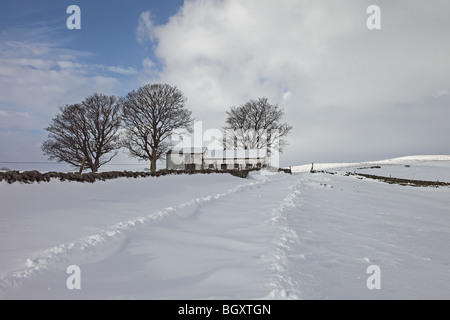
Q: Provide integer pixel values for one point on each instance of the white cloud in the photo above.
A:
(235, 50)
(13, 120)
(68, 64)
(441, 93)
(32, 63)
(106, 85)
(349, 92)
(22, 48)
(38, 88)
(35, 80)
(122, 70)
(286, 97)
(338, 81)
(147, 63)
(146, 29)
(20, 146)
(149, 72)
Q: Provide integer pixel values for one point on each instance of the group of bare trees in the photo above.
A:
(255, 125)
(90, 134)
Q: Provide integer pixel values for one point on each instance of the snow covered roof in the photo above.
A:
(223, 154)
(233, 154)
(188, 150)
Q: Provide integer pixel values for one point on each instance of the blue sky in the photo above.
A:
(105, 47)
(108, 29)
(351, 94)
(104, 24)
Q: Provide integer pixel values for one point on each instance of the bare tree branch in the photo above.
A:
(255, 125)
(151, 115)
(88, 130)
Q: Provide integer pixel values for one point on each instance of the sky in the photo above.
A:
(350, 93)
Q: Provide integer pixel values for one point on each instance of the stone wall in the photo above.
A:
(36, 176)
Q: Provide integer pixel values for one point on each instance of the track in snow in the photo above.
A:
(305, 236)
(221, 214)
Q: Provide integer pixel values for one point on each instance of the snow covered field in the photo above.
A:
(270, 236)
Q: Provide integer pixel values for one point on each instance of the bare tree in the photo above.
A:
(151, 115)
(86, 133)
(255, 125)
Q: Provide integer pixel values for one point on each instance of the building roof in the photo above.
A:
(188, 150)
(217, 154)
(235, 154)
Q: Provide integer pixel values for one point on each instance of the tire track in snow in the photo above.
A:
(101, 245)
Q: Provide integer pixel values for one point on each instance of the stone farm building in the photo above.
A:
(202, 158)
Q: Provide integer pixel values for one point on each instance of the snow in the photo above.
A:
(270, 236)
(426, 170)
(395, 161)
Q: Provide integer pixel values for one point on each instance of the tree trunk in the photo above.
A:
(153, 161)
(153, 166)
(82, 165)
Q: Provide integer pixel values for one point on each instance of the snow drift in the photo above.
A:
(271, 236)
